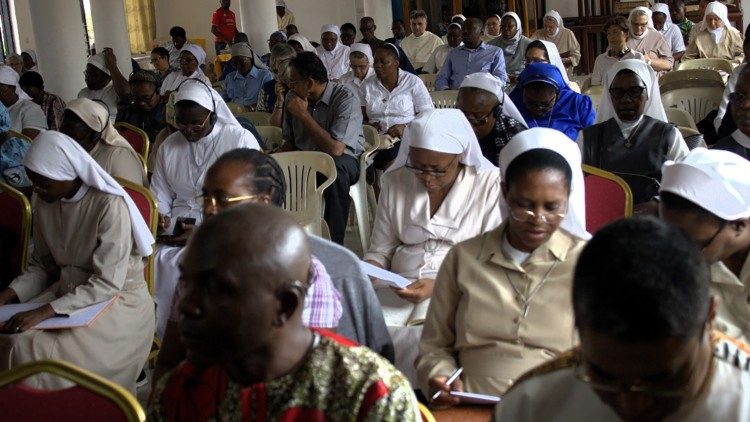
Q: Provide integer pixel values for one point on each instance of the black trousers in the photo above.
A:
(337, 197)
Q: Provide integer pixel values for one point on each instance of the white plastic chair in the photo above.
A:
(595, 92)
(235, 108)
(690, 78)
(258, 118)
(304, 197)
(444, 99)
(714, 64)
(270, 137)
(696, 101)
(429, 80)
(679, 117)
(363, 197)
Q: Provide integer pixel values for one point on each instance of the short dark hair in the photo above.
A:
(309, 65)
(618, 21)
(240, 37)
(178, 31)
(31, 78)
(536, 160)
(161, 51)
(540, 45)
(641, 279)
(675, 202)
(264, 173)
(349, 26)
(401, 21)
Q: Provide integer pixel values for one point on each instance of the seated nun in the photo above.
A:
(715, 37)
(513, 43)
(617, 30)
(391, 99)
(206, 129)
(707, 194)
(539, 51)
(332, 52)
(501, 304)
(632, 137)
(492, 115)
(648, 352)
(663, 23)
(191, 59)
(87, 122)
(99, 85)
(739, 141)
(646, 40)
(439, 191)
(26, 117)
(90, 244)
(555, 32)
(545, 100)
(361, 63)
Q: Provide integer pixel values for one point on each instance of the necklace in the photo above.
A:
(549, 120)
(524, 299)
(629, 139)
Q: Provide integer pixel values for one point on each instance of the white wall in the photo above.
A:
(23, 24)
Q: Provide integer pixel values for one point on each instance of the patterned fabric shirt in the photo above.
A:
(11, 162)
(338, 381)
(53, 107)
(685, 27)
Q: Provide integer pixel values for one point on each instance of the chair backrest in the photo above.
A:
(696, 101)
(304, 195)
(429, 80)
(235, 108)
(715, 64)
(270, 137)
(15, 220)
(259, 118)
(136, 137)
(690, 78)
(679, 117)
(692, 137)
(608, 198)
(19, 135)
(444, 99)
(425, 413)
(92, 397)
(146, 203)
(372, 140)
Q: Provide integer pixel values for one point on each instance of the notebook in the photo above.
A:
(83, 317)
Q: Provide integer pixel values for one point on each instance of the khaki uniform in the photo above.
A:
(565, 41)
(734, 295)
(702, 46)
(120, 162)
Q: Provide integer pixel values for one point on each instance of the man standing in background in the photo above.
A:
(223, 26)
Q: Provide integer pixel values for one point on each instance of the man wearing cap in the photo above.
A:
(191, 59)
(707, 194)
(739, 141)
(284, 16)
(223, 26)
(25, 116)
(333, 54)
(206, 129)
(474, 56)
(492, 115)
(420, 44)
(99, 84)
(243, 85)
(145, 109)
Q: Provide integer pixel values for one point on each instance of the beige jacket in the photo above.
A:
(734, 296)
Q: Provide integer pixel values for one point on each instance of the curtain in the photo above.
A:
(141, 25)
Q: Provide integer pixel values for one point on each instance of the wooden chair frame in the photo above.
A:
(617, 179)
(147, 144)
(27, 216)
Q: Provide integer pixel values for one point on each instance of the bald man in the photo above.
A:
(248, 354)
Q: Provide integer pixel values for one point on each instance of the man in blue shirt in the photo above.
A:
(474, 56)
(243, 85)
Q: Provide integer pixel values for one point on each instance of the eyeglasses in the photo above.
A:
(622, 388)
(185, 126)
(427, 173)
(481, 121)
(142, 100)
(737, 99)
(530, 60)
(223, 200)
(526, 216)
(632, 92)
(540, 104)
(708, 243)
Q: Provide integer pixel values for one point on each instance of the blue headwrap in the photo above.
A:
(571, 112)
(282, 33)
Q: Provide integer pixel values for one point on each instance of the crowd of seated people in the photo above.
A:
(481, 207)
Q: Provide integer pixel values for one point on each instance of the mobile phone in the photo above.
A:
(178, 230)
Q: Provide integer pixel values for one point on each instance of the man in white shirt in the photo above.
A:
(420, 44)
(645, 317)
(26, 116)
(333, 54)
(99, 84)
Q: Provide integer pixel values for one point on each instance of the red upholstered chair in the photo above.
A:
(136, 137)
(15, 219)
(92, 398)
(608, 198)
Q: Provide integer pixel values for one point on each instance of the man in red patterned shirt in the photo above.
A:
(249, 357)
(223, 26)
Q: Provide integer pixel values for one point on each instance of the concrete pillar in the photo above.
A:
(61, 45)
(111, 30)
(258, 21)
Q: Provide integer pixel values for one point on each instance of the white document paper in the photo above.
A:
(386, 276)
(475, 398)
(80, 318)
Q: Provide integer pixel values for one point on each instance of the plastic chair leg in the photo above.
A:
(359, 200)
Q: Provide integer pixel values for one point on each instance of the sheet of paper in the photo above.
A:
(388, 277)
(80, 318)
(475, 398)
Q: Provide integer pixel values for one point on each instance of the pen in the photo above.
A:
(453, 377)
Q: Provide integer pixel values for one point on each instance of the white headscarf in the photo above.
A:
(59, 157)
(488, 82)
(304, 42)
(463, 18)
(650, 24)
(715, 180)
(554, 58)
(199, 92)
(556, 16)
(720, 10)
(97, 60)
(443, 130)
(8, 76)
(554, 140)
(330, 28)
(96, 116)
(196, 51)
(32, 54)
(281, 3)
(654, 107)
(364, 49)
(662, 8)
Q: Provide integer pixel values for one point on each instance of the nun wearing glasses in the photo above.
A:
(439, 191)
(206, 129)
(502, 300)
